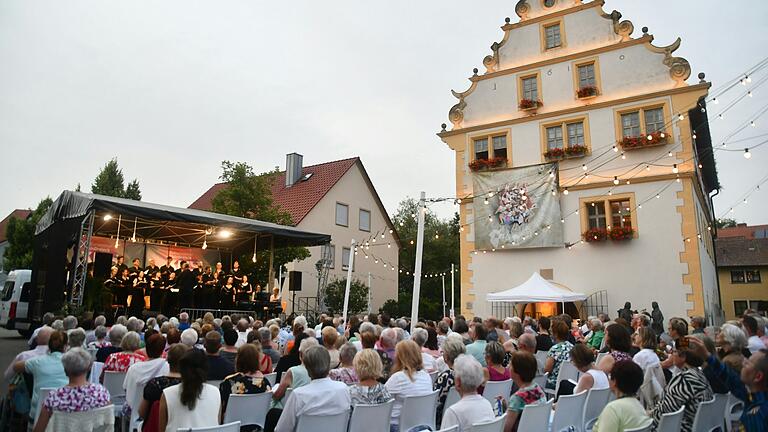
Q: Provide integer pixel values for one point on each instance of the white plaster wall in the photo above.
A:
(584, 30)
(640, 270)
(353, 191)
(626, 72)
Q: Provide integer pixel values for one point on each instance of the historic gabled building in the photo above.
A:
(573, 85)
(742, 255)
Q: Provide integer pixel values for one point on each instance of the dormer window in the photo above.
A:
(552, 36)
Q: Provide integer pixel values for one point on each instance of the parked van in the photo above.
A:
(14, 302)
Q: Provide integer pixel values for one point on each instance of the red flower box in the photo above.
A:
(594, 235)
(483, 164)
(621, 233)
(631, 143)
(529, 104)
(555, 153)
(585, 92)
(575, 150)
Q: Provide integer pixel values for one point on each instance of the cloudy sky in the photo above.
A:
(173, 88)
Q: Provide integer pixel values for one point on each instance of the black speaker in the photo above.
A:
(102, 263)
(294, 281)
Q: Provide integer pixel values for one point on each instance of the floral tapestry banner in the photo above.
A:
(515, 208)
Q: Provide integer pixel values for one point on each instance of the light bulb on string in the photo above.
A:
(485, 201)
(205, 242)
(552, 174)
(747, 154)
(674, 169)
(720, 116)
(565, 191)
(677, 179)
(752, 123)
(694, 135)
(615, 180)
(623, 156)
(701, 166)
(748, 79)
(669, 154)
(749, 93)
(715, 101)
(584, 167)
(681, 117)
(627, 182)
(615, 149)
(649, 137)
(647, 167)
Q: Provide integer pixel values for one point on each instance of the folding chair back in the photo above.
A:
(494, 389)
(42, 393)
(418, 410)
(311, 423)
(371, 418)
(248, 409)
(710, 415)
(228, 427)
(452, 398)
(271, 378)
(569, 412)
(535, 417)
(495, 425)
(596, 401)
(671, 422)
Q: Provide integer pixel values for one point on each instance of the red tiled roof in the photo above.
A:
(740, 251)
(18, 214)
(302, 197)
(742, 230)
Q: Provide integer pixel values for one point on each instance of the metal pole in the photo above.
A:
(349, 279)
(370, 292)
(452, 292)
(442, 276)
(417, 267)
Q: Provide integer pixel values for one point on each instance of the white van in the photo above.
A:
(14, 302)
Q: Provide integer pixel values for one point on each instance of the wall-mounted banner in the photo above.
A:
(515, 208)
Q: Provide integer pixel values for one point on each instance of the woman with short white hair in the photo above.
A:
(472, 408)
(78, 395)
(121, 361)
(731, 342)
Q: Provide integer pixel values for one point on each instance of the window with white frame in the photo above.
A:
(342, 214)
(500, 146)
(596, 215)
(530, 88)
(365, 220)
(654, 120)
(345, 254)
(630, 124)
(554, 137)
(552, 35)
(575, 134)
(481, 148)
(587, 75)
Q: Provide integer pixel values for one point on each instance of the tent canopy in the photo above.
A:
(121, 217)
(536, 289)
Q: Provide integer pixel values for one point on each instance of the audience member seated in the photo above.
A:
(121, 361)
(265, 336)
(78, 395)
(297, 376)
(192, 403)
(40, 349)
(476, 349)
(471, 408)
(346, 371)
(190, 337)
(76, 338)
(523, 366)
(430, 346)
(368, 390)
(218, 367)
(140, 373)
(731, 342)
(229, 351)
(686, 389)
(645, 340)
(544, 339)
(329, 337)
(386, 350)
(583, 358)
(408, 377)
(100, 335)
(420, 336)
(452, 348)
(47, 370)
(560, 352)
(321, 396)
(754, 343)
(291, 358)
(595, 340)
(619, 342)
(116, 333)
(494, 357)
(153, 390)
(626, 412)
(247, 380)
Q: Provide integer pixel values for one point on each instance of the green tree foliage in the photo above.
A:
(441, 248)
(249, 195)
(725, 223)
(110, 182)
(21, 237)
(358, 296)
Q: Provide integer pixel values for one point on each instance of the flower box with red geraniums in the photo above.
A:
(594, 235)
(566, 153)
(575, 150)
(484, 164)
(555, 153)
(587, 92)
(621, 233)
(632, 143)
(529, 104)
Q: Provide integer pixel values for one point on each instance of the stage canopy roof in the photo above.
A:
(157, 223)
(536, 289)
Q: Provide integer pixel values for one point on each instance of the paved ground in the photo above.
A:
(11, 343)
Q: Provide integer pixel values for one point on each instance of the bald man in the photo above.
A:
(41, 349)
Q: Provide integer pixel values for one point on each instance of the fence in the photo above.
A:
(217, 313)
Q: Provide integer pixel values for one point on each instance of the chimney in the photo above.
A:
(293, 168)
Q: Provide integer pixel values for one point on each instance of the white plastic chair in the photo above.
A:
(248, 409)
(271, 378)
(96, 369)
(569, 412)
(311, 423)
(671, 422)
(454, 428)
(95, 420)
(596, 401)
(134, 404)
(541, 359)
(600, 357)
(371, 418)
(433, 376)
(709, 416)
(228, 427)
(214, 383)
(452, 397)
(113, 382)
(733, 410)
(541, 380)
(566, 371)
(497, 388)
(92, 352)
(495, 425)
(42, 393)
(640, 429)
(535, 417)
(418, 410)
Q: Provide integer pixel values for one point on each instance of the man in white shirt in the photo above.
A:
(320, 397)
(754, 344)
(472, 408)
(43, 335)
(139, 373)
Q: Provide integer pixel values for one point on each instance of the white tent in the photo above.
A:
(536, 289)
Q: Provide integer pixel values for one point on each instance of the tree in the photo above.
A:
(110, 182)
(725, 223)
(249, 195)
(21, 236)
(441, 249)
(358, 296)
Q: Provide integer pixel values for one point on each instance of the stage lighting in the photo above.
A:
(107, 217)
(225, 233)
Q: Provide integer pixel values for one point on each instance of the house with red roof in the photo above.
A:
(336, 198)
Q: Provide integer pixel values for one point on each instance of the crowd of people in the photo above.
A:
(328, 368)
(190, 285)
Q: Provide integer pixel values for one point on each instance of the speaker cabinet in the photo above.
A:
(294, 281)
